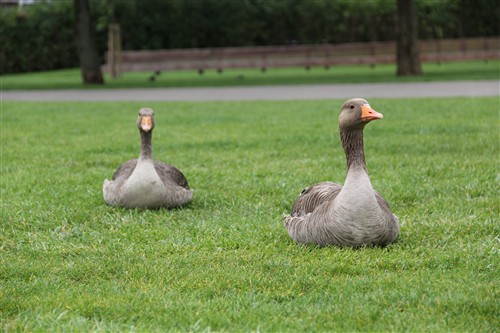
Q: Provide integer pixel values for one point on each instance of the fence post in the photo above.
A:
(373, 53)
(326, 63)
(463, 45)
(114, 50)
(438, 50)
(486, 49)
(308, 57)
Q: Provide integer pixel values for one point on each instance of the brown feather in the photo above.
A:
(166, 171)
(125, 170)
(315, 196)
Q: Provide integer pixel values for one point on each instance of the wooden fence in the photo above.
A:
(307, 56)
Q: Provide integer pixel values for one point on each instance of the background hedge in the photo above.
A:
(41, 36)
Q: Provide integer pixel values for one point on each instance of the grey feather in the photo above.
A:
(315, 196)
(351, 215)
(166, 172)
(125, 170)
(143, 182)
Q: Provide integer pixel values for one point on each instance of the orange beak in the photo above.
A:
(368, 114)
(146, 123)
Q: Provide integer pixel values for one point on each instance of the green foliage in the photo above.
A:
(39, 37)
(42, 37)
(31, 42)
(149, 24)
(225, 263)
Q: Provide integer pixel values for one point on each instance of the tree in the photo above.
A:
(408, 58)
(87, 51)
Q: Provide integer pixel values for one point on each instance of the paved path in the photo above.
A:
(381, 90)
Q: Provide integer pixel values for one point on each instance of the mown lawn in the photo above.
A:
(68, 262)
(66, 79)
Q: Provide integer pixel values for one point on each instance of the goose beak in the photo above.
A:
(368, 114)
(146, 123)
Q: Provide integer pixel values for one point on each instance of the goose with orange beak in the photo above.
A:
(352, 215)
(143, 182)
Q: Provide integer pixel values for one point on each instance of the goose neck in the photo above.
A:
(146, 149)
(352, 142)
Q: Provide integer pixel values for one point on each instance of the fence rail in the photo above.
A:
(324, 55)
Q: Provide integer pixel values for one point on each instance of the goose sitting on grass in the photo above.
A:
(351, 215)
(143, 182)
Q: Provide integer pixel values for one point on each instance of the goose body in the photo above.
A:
(143, 182)
(351, 215)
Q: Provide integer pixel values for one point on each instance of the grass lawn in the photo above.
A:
(64, 79)
(68, 262)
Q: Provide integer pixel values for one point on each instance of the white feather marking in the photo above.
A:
(144, 187)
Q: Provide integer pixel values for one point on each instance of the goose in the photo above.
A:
(352, 215)
(143, 182)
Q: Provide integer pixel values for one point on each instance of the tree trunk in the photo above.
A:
(87, 52)
(408, 58)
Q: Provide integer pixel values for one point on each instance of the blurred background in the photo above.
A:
(41, 35)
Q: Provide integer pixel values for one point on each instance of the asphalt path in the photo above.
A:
(291, 92)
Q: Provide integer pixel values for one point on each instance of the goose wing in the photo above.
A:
(394, 221)
(125, 170)
(166, 172)
(385, 207)
(314, 196)
(382, 203)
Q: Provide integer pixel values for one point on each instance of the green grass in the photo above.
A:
(68, 262)
(64, 79)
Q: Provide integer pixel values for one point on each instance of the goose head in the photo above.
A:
(356, 113)
(146, 120)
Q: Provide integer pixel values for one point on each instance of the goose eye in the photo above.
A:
(351, 107)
